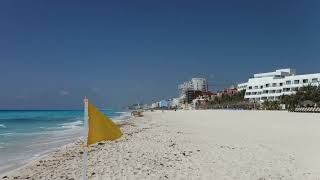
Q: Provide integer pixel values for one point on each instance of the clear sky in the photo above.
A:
(53, 53)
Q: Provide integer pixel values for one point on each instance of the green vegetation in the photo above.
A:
(306, 96)
(307, 93)
(231, 102)
(239, 97)
(271, 105)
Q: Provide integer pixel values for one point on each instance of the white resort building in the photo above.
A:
(270, 86)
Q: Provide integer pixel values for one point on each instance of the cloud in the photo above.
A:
(64, 93)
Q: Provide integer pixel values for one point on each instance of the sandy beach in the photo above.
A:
(213, 144)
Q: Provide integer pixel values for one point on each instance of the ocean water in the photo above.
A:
(25, 135)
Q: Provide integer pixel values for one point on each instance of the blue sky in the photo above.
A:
(53, 53)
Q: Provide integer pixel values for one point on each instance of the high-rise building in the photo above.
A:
(196, 84)
(190, 89)
(199, 84)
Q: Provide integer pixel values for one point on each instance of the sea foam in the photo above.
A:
(71, 125)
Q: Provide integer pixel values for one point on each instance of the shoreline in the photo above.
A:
(21, 163)
(13, 174)
(196, 145)
(74, 146)
(16, 166)
(37, 158)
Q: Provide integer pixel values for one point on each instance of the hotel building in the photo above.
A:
(188, 90)
(196, 84)
(272, 85)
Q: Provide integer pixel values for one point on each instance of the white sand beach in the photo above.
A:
(213, 144)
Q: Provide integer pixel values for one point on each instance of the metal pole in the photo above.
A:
(85, 151)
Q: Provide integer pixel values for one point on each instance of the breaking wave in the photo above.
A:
(71, 125)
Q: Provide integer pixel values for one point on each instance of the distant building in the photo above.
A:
(199, 84)
(135, 106)
(270, 86)
(192, 89)
(185, 87)
(174, 103)
(196, 84)
(199, 103)
(167, 103)
(231, 91)
(202, 99)
(192, 94)
(242, 86)
(164, 104)
(155, 105)
(219, 93)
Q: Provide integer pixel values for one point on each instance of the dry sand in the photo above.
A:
(195, 145)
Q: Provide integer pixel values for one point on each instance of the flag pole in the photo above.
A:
(85, 151)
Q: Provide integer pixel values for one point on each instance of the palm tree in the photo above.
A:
(306, 93)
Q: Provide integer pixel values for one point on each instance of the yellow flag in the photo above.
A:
(101, 128)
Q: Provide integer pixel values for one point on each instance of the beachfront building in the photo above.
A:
(190, 90)
(155, 105)
(164, 104)
(175, 102)
(230, 91)
(199, 84)
(272, 85)
(190, 95)
(202, 99)
(196, 84)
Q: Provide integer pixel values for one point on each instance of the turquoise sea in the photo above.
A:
(25, 135)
